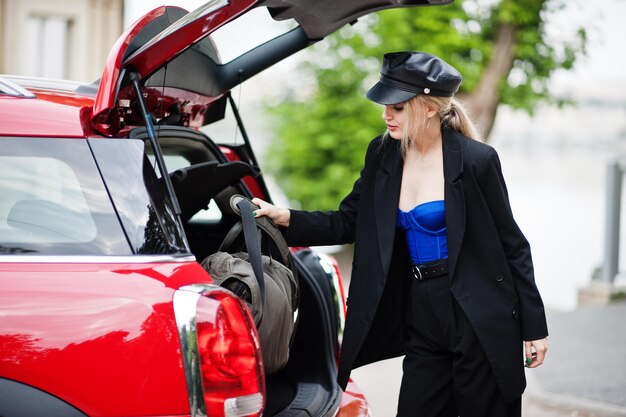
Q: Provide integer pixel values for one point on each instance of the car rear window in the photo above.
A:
(259, 27)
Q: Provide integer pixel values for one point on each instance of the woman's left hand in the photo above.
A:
(536, 352)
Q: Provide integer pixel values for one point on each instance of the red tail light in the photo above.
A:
(220, 352)
(231, 369)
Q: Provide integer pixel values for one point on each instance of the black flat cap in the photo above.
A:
(406, 74)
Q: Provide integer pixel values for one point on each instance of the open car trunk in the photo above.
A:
(307, 385)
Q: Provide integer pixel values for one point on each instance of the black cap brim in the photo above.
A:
(383, 94)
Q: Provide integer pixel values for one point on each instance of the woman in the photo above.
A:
(441, 271)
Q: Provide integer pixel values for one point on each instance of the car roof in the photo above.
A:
(43, 107)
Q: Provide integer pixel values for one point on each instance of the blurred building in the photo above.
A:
(58, 39)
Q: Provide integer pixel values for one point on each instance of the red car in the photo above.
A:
(104, 307)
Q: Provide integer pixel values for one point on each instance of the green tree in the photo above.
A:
(500, 47)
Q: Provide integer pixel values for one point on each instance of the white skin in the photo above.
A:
(422, 181)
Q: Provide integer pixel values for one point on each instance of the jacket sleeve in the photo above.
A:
(317, 228)
(516, 248)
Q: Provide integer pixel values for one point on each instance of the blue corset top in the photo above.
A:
(425, 229)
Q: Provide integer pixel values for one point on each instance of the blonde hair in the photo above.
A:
(450, 113)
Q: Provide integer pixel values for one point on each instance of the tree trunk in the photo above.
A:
(483, 102)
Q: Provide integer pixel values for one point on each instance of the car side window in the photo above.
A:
(139, 197)
(54, 201)
(42, 201)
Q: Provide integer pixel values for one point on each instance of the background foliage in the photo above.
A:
(500, 47)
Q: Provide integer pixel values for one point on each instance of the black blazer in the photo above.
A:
(491, 271)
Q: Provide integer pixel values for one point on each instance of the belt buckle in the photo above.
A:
(418, 276)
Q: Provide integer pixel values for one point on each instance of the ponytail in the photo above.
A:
(456, 118)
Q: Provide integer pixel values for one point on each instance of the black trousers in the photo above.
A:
(446, 372)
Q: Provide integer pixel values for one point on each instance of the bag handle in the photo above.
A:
(264, 224)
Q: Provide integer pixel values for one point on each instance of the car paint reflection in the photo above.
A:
(63, 324)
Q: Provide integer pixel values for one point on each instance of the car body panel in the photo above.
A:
(91, 333)
(353, 402)
(52, 113)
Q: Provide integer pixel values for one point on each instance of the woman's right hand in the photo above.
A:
(278, 215)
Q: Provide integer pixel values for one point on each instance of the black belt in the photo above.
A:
(430, 270)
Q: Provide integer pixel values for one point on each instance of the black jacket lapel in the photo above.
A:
(453, 146)
(387, 196)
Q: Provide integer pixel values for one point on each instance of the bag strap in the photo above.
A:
(251, 236)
